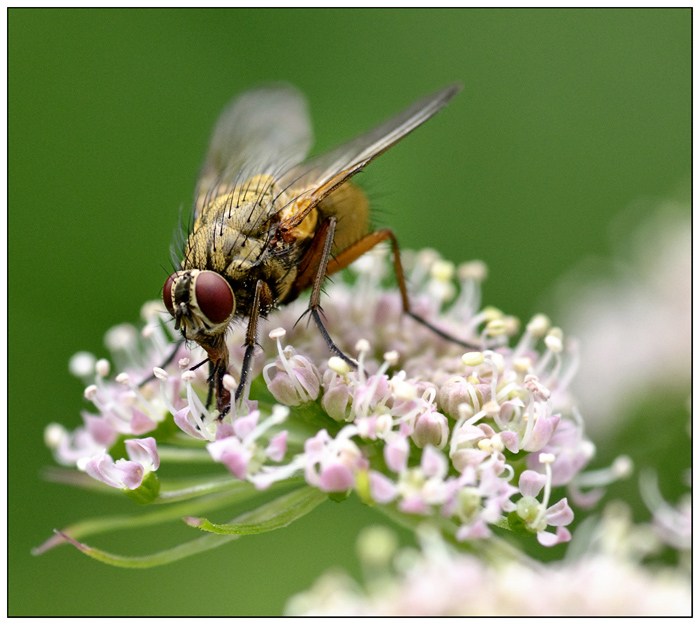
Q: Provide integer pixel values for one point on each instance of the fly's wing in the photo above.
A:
(263, 131)
(315, 179)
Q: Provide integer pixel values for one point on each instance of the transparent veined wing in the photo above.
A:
(265, 130)
(316, 178)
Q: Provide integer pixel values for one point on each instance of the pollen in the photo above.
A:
(522, 364)
(473, 359)
(123, 378)
(362, 346)
(391, 357)
(102, 367)
(277, 333)
(546, 458)
(229, 382)
(337, 364)
(442, 270)
(474, 270)
(538, 325)
(553, 343)
(496, 327)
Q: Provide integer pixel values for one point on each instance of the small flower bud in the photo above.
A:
(458, 391)
(431, 429)
(336, 397)
(468, 503)
(528, 508)
(297, 383)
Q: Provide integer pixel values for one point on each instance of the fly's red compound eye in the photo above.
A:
(214, 297)
(168, 294)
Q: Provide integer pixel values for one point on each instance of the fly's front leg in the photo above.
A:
(166, 362)
(262, 302)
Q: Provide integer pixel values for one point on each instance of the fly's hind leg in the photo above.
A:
(327, 265)
(365, 244)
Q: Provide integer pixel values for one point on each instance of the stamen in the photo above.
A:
(546, 460)
(197, 409)
(82, 365)
(102, 367)
(162, 376)
(54, 433)
(621, 468)
(125, 379)
(284, 355)
(362, 346)
(490, 360)
(279, 415)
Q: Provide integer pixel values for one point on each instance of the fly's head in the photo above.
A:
(202, 304)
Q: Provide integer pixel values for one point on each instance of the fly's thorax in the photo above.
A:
(224, 249)
(248, 208)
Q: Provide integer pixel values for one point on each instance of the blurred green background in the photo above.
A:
(566, 117)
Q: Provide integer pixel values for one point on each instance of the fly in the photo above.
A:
(268, 224)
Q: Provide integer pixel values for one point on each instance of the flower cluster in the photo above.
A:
(479, 437)
(439, 581)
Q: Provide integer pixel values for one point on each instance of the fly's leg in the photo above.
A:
(261, 303)
(327, 230)
(223, 395)
(212, 383)
(166, 362)
(356, 250)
